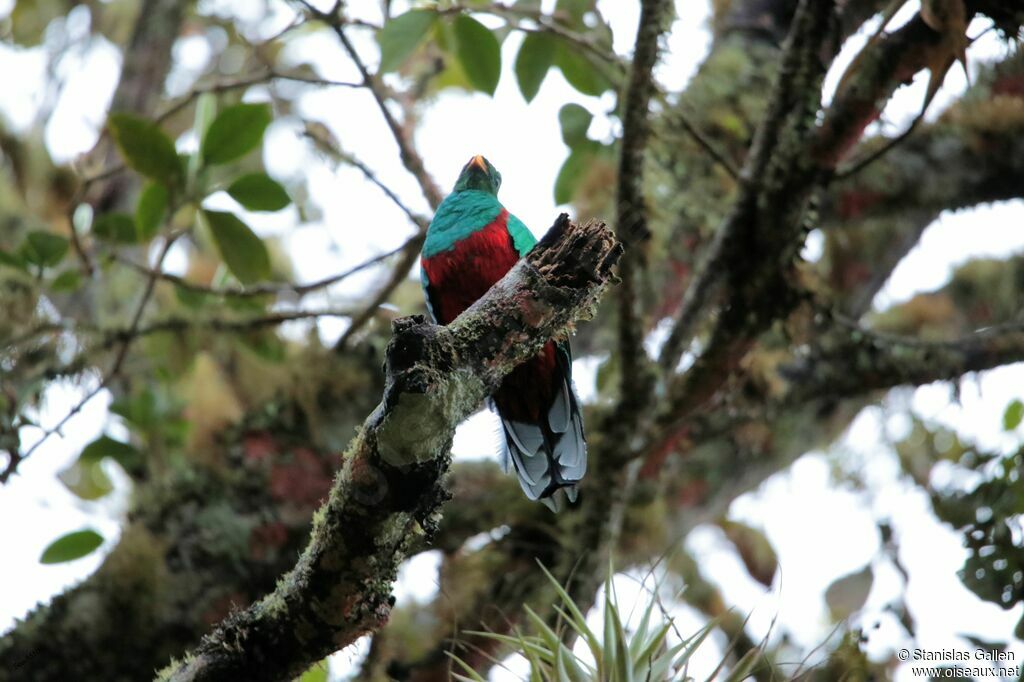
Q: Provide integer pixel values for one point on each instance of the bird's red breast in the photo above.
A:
(460, 276)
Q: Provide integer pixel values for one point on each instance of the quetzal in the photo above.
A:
(471, 243)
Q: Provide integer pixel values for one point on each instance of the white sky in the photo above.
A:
(525, 143)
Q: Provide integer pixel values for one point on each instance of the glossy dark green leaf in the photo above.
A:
(43, 249)
(71, 546)
(105, 446)
(575, 121)
(581, 73)
(150, 211)
(259, 192)
(479, 53)
(402, 35)
(145, 147)
(535, 57)
(115, 227)
(69, 280)
(243, 252)
(235, 132)
(1013, 415)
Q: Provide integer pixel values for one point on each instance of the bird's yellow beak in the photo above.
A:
(480, 162)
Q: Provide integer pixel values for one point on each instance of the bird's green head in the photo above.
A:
(480, 175)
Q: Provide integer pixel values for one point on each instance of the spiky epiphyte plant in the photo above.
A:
(640, 655)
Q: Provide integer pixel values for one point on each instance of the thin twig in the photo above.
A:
(857, 166)
(706, 144)
(546, 23)
(297, 290)
(323, 141)
(248, 80)
(410, 254)
(176, 324)
(410, 157)
(115, 367)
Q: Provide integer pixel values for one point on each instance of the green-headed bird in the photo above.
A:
(471, 243)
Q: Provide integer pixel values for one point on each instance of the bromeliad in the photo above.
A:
(471, 243)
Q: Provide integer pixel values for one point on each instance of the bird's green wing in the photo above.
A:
(522, 238)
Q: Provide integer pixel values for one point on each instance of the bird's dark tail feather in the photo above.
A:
(551, 456)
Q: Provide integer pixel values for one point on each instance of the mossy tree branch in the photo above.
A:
(860, 360)
(390, 489)
(751, 256)
(631, 221)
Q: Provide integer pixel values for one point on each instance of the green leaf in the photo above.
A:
(115, 227)
(259, 192)
(188, 297)
(105, 446)
(575, 121)
(318, 673)
(478, 52)
(69, 280)
(536, 55)
(580, 71)
(402, 35)
(206, 111)
(244, 253)
(44, 249)
(139, 410)
(27, 21)
(145, 147)
(745, 666)
(574, 9)
(150, 211)
(86, 480)
(71, 546)
(577, 621)
(266, 346)
(572, 171)
(1013, 415)
(235, 132)
(13, 260)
